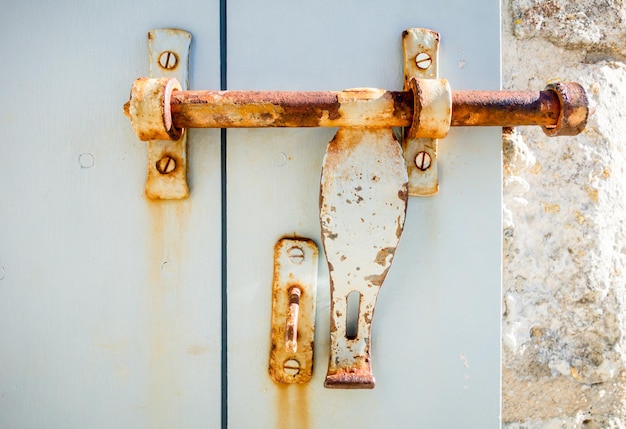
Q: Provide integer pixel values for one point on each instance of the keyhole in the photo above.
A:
(352, 314)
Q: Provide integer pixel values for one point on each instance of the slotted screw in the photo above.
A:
(423, 161)
(423, 61)
(168, 60)
(295, 255)
(291, 367)
(166, 165)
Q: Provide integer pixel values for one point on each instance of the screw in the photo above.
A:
(422, 161)
(296, 255)
(423, 61)
(168, 60)
(166, 165)
(291, 367)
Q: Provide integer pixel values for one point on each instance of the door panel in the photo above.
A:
(109, 303)
(436, 334)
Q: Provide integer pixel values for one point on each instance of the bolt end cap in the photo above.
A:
(575, 109)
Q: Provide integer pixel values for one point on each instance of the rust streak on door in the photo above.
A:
(167, 224)
(292, 406)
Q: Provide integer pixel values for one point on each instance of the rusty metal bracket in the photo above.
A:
(433, 100)
(293, 310)
(167, 151)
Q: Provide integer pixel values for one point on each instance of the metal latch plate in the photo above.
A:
(293, 310)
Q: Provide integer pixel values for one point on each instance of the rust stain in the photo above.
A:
(402, 104)
(356, 376)
(403, 194)
(118, 347)
(292, 407)
(400, 226)
(196, 350)
(383, 254)
(377, 279)
(165, 253)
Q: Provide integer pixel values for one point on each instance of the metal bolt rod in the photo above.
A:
(561, 109)
(505, 108)
(251, 109)
(291, 328)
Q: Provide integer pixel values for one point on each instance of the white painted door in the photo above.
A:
(436, 332)
(111, 305)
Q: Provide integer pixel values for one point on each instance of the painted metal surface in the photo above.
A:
(293, 310)
(363, 200)
(436, 333)
(109, 302)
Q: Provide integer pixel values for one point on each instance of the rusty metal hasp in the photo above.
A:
(293, 310)
(363, 202)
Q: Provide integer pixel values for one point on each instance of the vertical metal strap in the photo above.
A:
(421, 57)
(167, 160)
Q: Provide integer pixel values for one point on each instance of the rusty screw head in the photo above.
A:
(166, 165)
(423, 61)
(423, 161)
(295, 255)
(291, 367)
(168, 60)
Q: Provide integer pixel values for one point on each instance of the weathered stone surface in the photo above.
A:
(595, 26)
(564, 293)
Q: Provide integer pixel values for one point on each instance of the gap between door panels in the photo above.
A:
(224, 293)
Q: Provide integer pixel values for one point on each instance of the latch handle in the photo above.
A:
(363, 201)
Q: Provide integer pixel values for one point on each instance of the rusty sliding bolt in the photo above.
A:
(561, 109)
(291, 329)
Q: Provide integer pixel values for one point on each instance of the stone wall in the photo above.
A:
(564, 292)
